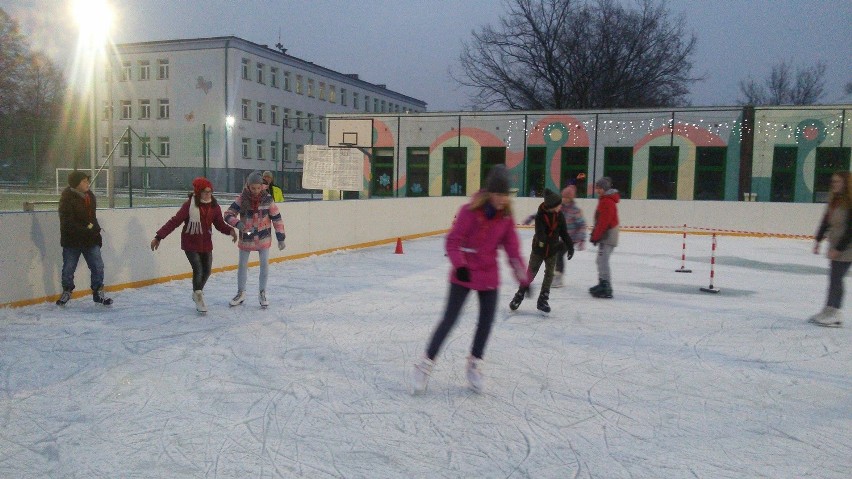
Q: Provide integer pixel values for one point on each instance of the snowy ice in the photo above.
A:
(663, 381)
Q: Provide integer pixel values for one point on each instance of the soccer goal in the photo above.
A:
(100, 182)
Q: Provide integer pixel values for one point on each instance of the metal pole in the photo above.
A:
(204, 149)
(129, 167)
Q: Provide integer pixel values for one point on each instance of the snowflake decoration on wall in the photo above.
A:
(416, 188)
(385, 180)
(455, 189)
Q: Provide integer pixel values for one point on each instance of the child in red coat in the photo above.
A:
(198, 215)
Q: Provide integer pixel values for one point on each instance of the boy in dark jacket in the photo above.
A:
(550, 241)
(80, 233)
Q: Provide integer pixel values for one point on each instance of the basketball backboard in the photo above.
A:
(350, 133)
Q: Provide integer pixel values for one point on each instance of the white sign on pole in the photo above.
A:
(333, 168)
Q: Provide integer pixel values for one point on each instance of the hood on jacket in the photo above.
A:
(612, 194)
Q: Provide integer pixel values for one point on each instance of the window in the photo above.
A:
(107, 73)
(310, 87)
(261, 108)
(662, 172)
(321, 123)
(417, 171)
(287, 117)
(299, 84)
(455, 171)
(107, 146)
(163, 106)
(322, 91)
(105, 112)
(618, 165)
(298, 120)
(710, 173)
(126, 110)
(828, 160)
(536, 160)
(260, 69)
(144, 70)
(273, 114)
(310, 122)
(273, 77)
(246, 148)
(125, 146)
(367, 103)
(246, 105)
(260, 147)
(376, 105)
(163, 69)
(381, 182)
(783, 187)
(287, 81)
(165, 147)
(355, 100)
(491, 157)
(575, 160)
(246, 64)
(273, 150)
(332, 94)
(384, 107)
(126, 73)
(146, 146)
(343, 99)
(145, 109)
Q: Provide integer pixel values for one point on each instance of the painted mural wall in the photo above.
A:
(691, 154)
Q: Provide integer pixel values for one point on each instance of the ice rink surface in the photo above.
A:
(663, 381)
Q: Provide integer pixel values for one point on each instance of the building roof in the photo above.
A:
(279, 55)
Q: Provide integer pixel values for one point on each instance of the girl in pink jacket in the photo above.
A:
(480, 228)
(257, 218)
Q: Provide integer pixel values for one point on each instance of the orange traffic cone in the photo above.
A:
(398, 246)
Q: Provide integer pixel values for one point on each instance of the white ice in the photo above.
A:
(663, 381)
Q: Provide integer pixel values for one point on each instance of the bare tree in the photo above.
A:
(557, 54)
(784, 87)
(13, 51)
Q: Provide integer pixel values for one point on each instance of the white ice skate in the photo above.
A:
(198, 297)
(420, 375)
(263, 302)
(239, 299)
(474, 373)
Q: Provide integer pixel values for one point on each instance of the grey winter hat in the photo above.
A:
(255, 178)
(498, 180)
(551, 199)
(604, 183)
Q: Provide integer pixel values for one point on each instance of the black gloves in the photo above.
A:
(570, 253)
(463, 274)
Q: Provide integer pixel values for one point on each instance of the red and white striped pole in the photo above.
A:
(711, 289)
(683, 255)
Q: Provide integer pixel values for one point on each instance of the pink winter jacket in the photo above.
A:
(472, 243)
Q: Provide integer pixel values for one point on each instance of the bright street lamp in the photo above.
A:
(94, 19)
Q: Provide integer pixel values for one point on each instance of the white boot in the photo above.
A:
(420, 375)
(238, 299)
(557, 280)
(198, 297)
(818, 316)
(262, 297)
(831, 319)
(474, 373)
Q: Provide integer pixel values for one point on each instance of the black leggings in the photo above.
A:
(835, 283)
(201, 264)
(455, 301)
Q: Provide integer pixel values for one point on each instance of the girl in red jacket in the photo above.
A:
(605, 234)
(198, 215)
(480, 228)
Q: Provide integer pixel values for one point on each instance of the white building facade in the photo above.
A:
(221, 107)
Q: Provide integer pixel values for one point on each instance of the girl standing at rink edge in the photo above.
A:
(255, 215)
(836, 227)
(480, 228)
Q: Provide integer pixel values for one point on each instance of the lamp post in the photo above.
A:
(94, 19)
(229, 125)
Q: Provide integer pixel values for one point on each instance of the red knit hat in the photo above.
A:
(200, 184)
